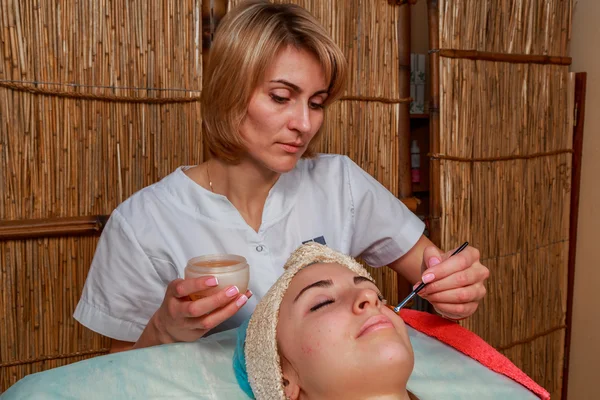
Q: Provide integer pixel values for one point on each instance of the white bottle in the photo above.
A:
(415, 162)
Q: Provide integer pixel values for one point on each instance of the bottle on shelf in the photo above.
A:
(415, 162)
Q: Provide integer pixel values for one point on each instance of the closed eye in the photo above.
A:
(322, 304)
(317, 106)
(278, 99)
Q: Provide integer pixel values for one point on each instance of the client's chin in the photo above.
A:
(391, 357)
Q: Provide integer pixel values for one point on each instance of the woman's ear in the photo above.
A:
(291, 384)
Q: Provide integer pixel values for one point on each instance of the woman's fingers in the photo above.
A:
(209, 304)
(181, 319)
(455, 283)
(215, 302)
(460, 278)
(452, 272)
(448, 265)
(467, 294)
(456, 311)
(220, 315)
(185, 287)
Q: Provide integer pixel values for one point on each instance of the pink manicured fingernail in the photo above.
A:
(211, 282)
(434, 261)
(232, 291)
(241, 301)
(428, 278)
(416, 285)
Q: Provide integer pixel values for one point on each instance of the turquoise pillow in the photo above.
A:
(204, 370)
(199, 370)
(239, 360)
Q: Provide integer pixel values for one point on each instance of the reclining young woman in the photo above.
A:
(324, 332)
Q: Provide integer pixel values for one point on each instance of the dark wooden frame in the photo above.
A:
(52, 227)
(580, 91)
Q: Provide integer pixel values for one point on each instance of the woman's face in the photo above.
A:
(338, 340)
(285, 110)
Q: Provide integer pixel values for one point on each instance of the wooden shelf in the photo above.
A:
(420, 189)
(419, 116)
(423, 203)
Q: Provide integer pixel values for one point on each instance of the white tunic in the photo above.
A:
(150, 237)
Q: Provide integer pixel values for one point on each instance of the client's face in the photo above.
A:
(338, 340)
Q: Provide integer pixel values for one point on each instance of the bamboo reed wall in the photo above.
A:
(133, 70)
(69, 157)
(504, 169)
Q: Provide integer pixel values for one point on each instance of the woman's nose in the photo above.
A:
(365, 299)
(300, 120)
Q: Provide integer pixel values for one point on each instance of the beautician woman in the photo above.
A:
(272, 73)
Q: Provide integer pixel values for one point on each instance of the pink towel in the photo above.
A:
(471, 345)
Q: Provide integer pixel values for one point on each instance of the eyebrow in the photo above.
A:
(360, 279)
(328, 283)
(297, 88)
(321, 284)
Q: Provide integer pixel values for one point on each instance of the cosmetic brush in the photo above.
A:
(422, 285)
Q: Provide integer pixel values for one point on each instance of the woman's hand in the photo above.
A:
(179, 319)
(455, 285)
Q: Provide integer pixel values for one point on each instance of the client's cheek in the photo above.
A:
(309, 348)
(312, 344)
(319, 342)
(308, 345)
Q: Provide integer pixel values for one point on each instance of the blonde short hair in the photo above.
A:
(247, 40)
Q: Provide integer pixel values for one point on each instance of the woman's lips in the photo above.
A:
(290, 148)
(375, 323)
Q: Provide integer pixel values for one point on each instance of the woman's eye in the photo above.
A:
(278, 99)
(316, 106)
(321, 305)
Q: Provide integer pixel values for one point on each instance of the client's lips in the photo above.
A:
(374, 323)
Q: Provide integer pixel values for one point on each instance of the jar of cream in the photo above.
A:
(229, 269)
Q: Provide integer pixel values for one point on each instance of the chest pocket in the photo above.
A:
(320, 240)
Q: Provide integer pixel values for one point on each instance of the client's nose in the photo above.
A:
(365, 299)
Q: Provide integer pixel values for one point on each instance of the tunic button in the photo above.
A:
(259, 248)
